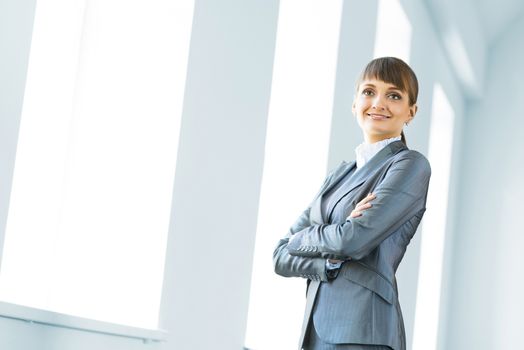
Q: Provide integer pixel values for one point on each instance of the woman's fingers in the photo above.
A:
(357, 212)
(362, 205)
(366, 199)
(354, 214)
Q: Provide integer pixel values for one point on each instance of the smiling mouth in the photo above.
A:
(378, 116)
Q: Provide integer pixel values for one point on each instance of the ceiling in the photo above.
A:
(493, 17)
(496, 16)
(469, 30)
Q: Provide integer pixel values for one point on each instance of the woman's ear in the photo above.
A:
(413, 110)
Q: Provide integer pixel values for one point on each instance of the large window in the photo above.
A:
(295, 160)
(91, 195)
(393, 35)
(434, 223)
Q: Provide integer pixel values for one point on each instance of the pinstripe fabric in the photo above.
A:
(315, 343)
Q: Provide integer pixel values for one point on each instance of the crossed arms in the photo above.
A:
(399, 196)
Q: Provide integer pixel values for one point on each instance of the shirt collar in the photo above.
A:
(365, 151)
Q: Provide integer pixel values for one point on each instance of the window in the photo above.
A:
(91, 195)
(393, 35)
(296, 153)
(434, 223)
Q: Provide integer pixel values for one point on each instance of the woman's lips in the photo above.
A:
(378, 116)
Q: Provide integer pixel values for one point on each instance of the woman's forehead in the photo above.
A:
(374, 82)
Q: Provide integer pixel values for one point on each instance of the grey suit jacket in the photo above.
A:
(361, 304)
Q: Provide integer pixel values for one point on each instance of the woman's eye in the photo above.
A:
(367, 92)
(395, 96)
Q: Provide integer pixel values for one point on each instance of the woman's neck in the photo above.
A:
(377, 138)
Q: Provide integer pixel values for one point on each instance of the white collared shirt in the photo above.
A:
(365, 151)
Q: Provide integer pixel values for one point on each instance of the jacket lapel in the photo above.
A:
(315, 215)
(362, 173)
(357, 178)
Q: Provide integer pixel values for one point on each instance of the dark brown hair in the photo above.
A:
(394, 71)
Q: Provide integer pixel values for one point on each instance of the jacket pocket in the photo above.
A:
(367, 278)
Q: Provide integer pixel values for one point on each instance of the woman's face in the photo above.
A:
(381, 109)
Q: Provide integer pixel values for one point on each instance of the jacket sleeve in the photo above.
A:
(287, 265)
(399, 196)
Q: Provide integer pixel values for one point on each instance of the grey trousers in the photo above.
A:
(315, 343)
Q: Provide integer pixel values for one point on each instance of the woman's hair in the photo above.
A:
(394, 71)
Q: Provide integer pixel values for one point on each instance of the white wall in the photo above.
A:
(16, 25)
(486, 306)
(354, 52)
(218, 175)
(21, 335)
(463, 39)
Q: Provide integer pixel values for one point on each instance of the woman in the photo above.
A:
(349, 242)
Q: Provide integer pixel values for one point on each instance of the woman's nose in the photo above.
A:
(378, 102)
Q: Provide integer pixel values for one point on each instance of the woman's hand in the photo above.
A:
(361, 206)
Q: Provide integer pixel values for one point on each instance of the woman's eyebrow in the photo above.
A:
(395, 88)
(392, 87)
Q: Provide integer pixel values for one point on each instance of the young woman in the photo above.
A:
(350, 240)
